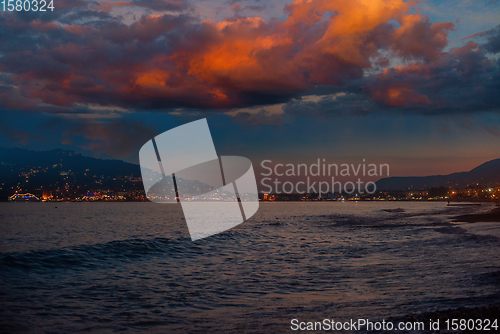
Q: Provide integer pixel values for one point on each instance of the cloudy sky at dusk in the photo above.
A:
(413, 84)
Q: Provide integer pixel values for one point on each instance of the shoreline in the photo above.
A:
(491, 216)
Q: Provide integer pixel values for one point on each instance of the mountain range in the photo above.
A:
(67, 174)
(62, 172)
(67, 160)
(485, 175)
(58, 170)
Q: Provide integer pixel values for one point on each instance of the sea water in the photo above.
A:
(131, 267)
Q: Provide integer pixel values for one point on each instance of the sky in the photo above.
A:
(415, 84)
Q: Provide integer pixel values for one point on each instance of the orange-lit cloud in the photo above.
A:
(173, 60)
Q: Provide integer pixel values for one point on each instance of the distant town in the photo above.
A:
(63, 176)
(69, 194)
(472, 193)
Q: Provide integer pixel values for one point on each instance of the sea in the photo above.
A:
(132, 267)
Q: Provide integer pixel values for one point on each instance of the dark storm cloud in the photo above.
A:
(157, 5)
(334, 105)
(461, 80)
(233, 2)
(261, 117)
(493, 36)
(82, 54)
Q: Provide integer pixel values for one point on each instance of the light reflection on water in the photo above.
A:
(132, 267)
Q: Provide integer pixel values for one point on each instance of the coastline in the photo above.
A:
(491, 216)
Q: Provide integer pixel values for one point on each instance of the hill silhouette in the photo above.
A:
(70, 175)
(68, 160)
(62, 171)
(487, 174)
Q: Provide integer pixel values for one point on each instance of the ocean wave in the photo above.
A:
(89, 256)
